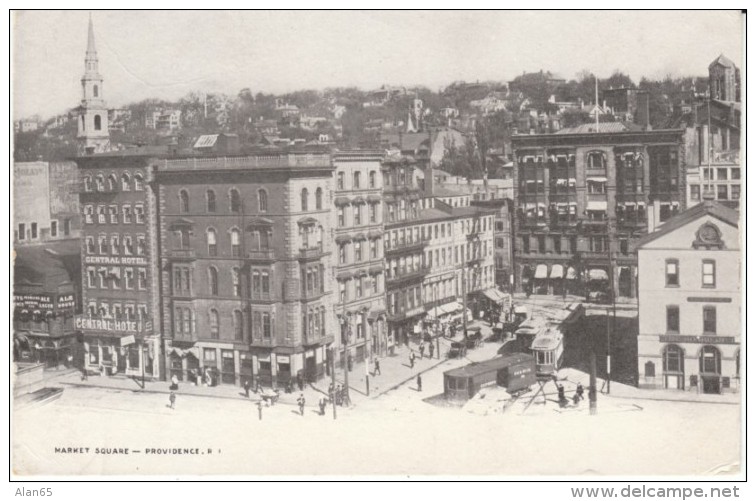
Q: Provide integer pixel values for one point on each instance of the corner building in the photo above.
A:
(246, 266)
(582, 199)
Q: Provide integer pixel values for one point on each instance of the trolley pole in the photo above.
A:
(333, 379)
(592, 387)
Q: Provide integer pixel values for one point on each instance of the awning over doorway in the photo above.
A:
(557, 271)
(541, 271)
(597, 274)
(599, 205)
(571, 273)
(495, 295)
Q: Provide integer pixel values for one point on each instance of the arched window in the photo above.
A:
(319, 198)
(372, 178)
(87, 183)
(100, 183)
(305, 194)
(710, 361)
(262, 200)
(672, 360)
(235, 201)
(210, 195)
(212, 243)
(96, 91)
(235, 243)
(138, 182)
(356, 180)
(214, 321)
(235, 282)
(112, 182)
(212, 280)
(125, 182)
(238, 325)
(183, 201)
(97, 122)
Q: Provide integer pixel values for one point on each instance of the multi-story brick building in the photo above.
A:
(582, 199)
(358, 263)
(119, 281)
(689, 304)
(246, 266)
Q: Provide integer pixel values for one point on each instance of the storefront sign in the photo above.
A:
(66, 302)
(33, 301)
(116, 260)
(127, 340)
(674, 338)
(85, 323)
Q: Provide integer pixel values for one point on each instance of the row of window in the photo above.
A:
(109, 214)
(357, 214)
(709, 319)
(117, 310)
(31, 232)
(708, 273)
(260, 327)
(359, 251)
(314, 322)
(723, 191)
(673, 361)
(402, 211)
(111, 183)
(117, 244)
(721, 173)
(356, 180)
(234, 201)
(361, 287)
(116, 278)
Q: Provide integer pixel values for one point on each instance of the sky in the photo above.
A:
(161, 54)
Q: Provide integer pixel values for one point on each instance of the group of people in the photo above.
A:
(576, 398)
(338, 394)
(421, 350)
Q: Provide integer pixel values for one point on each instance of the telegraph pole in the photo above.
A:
(609, 327)
(345, 362)
(333, 379)
(592, 387)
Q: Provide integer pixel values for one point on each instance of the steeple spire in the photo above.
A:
(91, 49)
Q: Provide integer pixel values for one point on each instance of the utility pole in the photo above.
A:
(333, 379)
(592, 387)
(610, 328)
(345, 362)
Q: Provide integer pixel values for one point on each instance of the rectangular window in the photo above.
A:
(88, 214)
(722, 174)
(672, 271)
(358, 251)
(91, 278)
(53, 228)
(34, 233)
(358, 287)
(734, 192)
(541, 244)
(710, 319)
(341, 217)
(267, 328)
(673, 319)
(624, 247)
(139, 214)
(695, 192)
(21, 231)
(735, 173)
(526, 244)
(373, 213)
(709, 273)
(142, 279)
(357, 215)
(126, 214)
(101, 214)
(128, 274)
(113, 214)
(128, 245)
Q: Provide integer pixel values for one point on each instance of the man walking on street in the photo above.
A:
(412, 359)
(322, 405)
(422, 349)
(430, 350)
(419, 383)
(301, 403)
(246, 387)
(376, 368)
(259, 409)
(172, 399)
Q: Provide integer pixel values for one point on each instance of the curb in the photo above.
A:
(391, 388)
(659, 399)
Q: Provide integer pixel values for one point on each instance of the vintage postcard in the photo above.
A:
(377, 243)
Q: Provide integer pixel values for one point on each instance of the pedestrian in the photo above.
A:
(84, 374)
(301, 404)
(259, 409)
(257, 386)
(419, 383)
(376, 368)
(412, 359)
(322, 405)
(172, 399)
(579, 391)
(174, 382)
(246, 387)
(430, 350)
(337, 395)
(300, 381)
(422, 349)
(560, 393)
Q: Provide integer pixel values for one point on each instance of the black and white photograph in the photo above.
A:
(358, 244)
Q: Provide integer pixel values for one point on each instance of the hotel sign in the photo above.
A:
(674, 338)
(116, 260)
(88, 324)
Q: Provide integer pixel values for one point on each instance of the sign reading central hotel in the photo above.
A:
(107, 324)
(116, 260)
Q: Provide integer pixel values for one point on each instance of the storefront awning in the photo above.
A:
(571, 273)
(373, 198)
(596, 205)
(541, 271)
(342, 239)
(375, 234)
(358, 200)
(358, 236)
(344, 275)
(596, 179)
(341, 201)
(495, 295)
(557, 271)
(375, 269)
(597, 274)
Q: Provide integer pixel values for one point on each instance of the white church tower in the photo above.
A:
(93, 136)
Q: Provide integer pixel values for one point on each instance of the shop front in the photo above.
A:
(126, 348)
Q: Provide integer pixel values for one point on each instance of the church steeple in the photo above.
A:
(93, 133)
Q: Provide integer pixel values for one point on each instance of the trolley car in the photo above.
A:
(548, 350)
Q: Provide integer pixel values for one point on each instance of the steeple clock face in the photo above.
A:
(709, 234)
